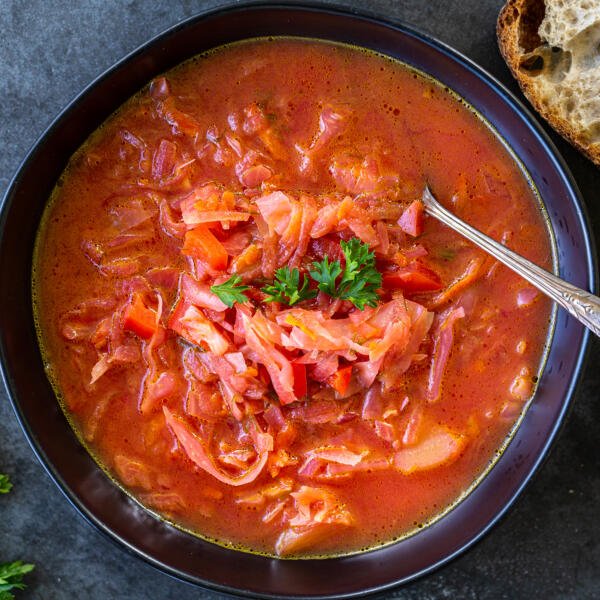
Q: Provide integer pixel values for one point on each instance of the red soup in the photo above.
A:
(252, 325)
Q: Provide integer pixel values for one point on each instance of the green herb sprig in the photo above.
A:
(357, 282)
(11, 578)
(11, 574)
(286, 287)
(360, 278)
(231, 291)
(5, 484)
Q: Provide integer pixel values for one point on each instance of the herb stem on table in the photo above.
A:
(11, 578)
(11, 574)
(5, 484)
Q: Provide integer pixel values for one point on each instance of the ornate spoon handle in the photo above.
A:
(583, 305)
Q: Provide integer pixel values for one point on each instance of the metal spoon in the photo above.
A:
(582, 305)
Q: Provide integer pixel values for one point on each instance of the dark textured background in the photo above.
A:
(547, 547)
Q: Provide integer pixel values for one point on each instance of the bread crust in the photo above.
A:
(517, 32)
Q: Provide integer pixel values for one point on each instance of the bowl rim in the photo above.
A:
(363, 15)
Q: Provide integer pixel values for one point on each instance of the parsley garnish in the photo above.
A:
(360, 277)
(5, 484)
(358, 283)
(231, 291)
(325, 274)
(11, 576)
(286, 287)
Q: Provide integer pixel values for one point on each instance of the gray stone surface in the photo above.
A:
(547, 547)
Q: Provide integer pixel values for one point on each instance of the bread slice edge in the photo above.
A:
(508, 31)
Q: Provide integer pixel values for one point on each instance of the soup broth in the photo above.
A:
(252, 325)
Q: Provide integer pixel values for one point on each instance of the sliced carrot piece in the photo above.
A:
(340, 380)
(201, 243)
(139, 319)
(228, 200)
(412, 279)
(248, 258)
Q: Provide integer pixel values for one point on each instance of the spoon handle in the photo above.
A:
(582, 305)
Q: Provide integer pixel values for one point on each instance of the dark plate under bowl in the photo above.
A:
(73, 469)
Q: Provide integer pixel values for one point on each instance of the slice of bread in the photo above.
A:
(552, 48)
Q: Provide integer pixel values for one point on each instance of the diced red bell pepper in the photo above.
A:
(177, 312)
(412, 219)
(412, 279)
(300, 389)
(201, 243)
(340, 380)
(300, 383)
(139, 319)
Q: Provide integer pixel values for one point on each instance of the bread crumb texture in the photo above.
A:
(553, 49)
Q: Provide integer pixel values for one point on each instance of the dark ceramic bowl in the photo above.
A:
(166, 547)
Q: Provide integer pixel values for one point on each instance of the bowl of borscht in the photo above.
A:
(231, 334)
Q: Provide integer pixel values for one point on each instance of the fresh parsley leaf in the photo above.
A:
(11, 578)
(286, 287)
(5, 484)
(360, 277)
(230, 291)
(325, 274)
